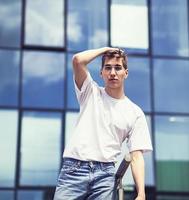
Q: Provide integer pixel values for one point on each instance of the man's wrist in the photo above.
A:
(141, 195)
(105, 49)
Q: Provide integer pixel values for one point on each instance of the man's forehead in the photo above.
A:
(113, 60)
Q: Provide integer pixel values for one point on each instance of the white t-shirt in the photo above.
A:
(104, 123)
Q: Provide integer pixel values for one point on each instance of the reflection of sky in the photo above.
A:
(44, 24)
(9, 61)
(171, 85)
(43, 75)
(9, 71)
(137, 85)
(10, 21)
(129, 25)
(8, 135)
(172, 138)
(168, 40)
(7, 195)
(74, 29)
(86, 29)
(47, 66)
(30, 195)
(11, 10)
(40, 150)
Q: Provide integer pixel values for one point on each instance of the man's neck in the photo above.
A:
(115, 93)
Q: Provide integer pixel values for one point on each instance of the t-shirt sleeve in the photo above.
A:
(85, 90)
(139, 137)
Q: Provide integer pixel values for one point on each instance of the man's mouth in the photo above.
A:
(113, 79)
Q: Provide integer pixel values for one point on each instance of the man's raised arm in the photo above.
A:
(80, 61)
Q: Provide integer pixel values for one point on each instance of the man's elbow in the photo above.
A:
(137, 156)
(75, 60)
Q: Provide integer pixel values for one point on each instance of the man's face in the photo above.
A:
(113, 73)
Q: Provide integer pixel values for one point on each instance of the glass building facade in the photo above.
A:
(38, 107)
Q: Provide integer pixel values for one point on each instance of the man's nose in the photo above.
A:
(112, 72)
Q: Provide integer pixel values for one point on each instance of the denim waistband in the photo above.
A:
(82, 162)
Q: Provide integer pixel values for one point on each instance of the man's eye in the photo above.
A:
(118, 68)
(108, 68)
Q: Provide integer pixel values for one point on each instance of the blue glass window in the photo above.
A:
(137, 85)
(87, 24)
(9, 77)
(8, 143)
(43, 79)
(172, 153)
(31, 195)
(10, 23)
(171, 85)
(40, 148)
(170, 27)
(45, 23)
(6, 195)
(129, 25)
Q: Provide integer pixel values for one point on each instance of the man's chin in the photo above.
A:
(113, 86)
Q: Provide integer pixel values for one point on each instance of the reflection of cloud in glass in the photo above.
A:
(98, 38)
(74, 29)
(166, 146)
(9, 61)
(44, 23)
(171, 83)
(138, 65)
(40, 141)
(40, 137)
(127, 30)
(172, 132)
(8, 135)
(179, 119)
(47, 66)
(10, 12)
(30, 195)
(75, 34)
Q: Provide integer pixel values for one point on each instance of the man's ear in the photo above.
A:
(126, 73)
(101, 73)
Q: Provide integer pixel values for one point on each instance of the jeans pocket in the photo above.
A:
(69, 169)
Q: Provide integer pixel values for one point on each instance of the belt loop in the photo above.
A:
(78, 163)
(101, 165)
(91, 164)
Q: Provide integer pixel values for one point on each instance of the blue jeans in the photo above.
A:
(81, 180)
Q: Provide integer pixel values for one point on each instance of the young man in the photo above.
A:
(107, 117)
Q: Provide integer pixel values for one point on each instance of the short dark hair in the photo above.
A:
(115, 54)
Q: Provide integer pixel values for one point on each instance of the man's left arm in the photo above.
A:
(138, 172)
